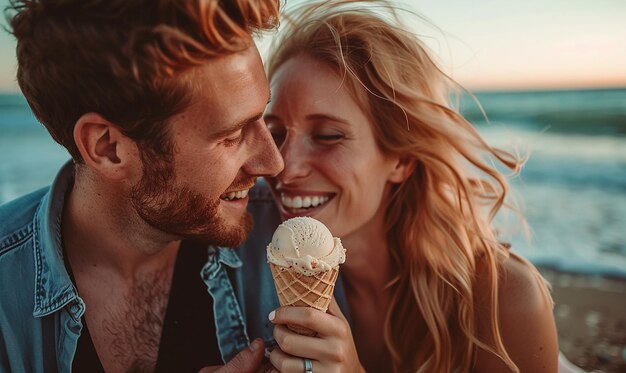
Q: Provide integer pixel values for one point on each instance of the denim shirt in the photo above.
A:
(40, 308)
(253, 281)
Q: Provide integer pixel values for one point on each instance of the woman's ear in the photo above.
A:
(402, 170)
(103, 147)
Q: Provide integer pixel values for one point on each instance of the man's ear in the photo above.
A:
(403, 169)
(103, 146)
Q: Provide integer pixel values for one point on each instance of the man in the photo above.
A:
(115, 267)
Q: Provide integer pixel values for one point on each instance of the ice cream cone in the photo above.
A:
(296, 289)
(304, 258)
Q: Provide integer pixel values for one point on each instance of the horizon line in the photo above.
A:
(484, 89)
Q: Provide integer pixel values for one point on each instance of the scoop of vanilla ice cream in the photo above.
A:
(306, 245)
(303, 236)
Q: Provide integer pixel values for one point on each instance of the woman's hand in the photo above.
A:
(331, 350)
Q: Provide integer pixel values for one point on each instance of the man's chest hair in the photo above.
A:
(130, 329)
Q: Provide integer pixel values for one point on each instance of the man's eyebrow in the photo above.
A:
(237, 127)
(240, 125)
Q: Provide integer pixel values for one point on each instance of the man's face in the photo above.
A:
(221, 145)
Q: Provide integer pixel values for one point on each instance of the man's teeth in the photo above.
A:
(299, 202)
(235, 195)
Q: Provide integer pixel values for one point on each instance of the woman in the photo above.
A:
(373, 149)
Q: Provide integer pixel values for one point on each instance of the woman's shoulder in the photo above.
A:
(525, 319)
(521, 287)
(519, 284)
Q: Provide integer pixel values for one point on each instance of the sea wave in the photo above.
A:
(588, 112)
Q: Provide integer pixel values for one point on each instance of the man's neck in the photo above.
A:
(123, 271)
(100, 229)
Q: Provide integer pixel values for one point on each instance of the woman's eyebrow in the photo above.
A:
(314, 117)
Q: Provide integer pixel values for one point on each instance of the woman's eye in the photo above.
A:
(329, 138)
(277, 131)
(279, 137)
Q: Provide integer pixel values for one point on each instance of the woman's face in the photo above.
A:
(334, 171)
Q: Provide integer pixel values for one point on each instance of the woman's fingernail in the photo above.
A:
(272, 315)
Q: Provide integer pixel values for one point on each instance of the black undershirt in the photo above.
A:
(188, 340)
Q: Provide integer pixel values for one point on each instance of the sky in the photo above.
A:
(499, 44)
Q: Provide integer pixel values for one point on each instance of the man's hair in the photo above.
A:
(120, 58)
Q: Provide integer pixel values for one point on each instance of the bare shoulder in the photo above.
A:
(521, 287)
(526, 321)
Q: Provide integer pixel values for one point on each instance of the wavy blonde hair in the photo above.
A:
(439, 221)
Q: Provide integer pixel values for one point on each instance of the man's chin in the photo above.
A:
(192, 217)
(225, 234)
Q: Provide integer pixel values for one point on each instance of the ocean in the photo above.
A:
(573, 187)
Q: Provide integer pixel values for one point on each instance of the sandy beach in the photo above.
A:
(590, 314)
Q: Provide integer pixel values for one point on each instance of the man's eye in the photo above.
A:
(234, 140)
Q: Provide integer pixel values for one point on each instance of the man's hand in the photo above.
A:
(247, 361)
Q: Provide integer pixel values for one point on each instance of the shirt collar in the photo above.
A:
(228, 257)
(53, 287)
(217, 257)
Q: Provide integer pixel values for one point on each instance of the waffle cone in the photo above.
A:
(295, 289)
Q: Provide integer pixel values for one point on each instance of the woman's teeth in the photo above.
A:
(235, 195)
(299, 202)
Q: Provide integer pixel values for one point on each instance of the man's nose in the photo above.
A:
(266, 160)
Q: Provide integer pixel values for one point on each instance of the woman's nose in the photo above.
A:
(297, 160)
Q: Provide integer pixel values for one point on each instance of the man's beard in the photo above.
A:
(180, 211)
